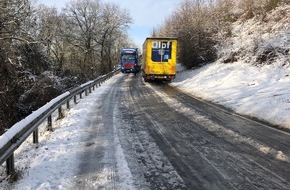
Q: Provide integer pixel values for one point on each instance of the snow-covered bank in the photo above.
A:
(261, 92)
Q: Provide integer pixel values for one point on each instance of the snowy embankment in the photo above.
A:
(255, 81)
(261, 92)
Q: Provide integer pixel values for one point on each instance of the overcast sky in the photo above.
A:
(145, 13)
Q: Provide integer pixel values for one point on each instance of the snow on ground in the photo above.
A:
(261, 92)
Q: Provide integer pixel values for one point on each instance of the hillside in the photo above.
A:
(251, 75)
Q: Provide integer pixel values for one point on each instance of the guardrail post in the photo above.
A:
(49, 123)
(86, 92)
(81, 95)
(35, 136)
(67, 104)
(90, 90)
(10, 165)
(60, 114)
(75, 99)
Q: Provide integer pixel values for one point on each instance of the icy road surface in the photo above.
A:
(138, 135)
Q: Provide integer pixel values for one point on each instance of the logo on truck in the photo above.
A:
(161, 51)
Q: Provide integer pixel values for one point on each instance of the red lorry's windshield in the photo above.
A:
(128, 57)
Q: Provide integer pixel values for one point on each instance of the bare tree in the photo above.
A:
(82, 22)
(113, 22)
(192, 24)
(50, 31)
(91, 29)
(13, 15)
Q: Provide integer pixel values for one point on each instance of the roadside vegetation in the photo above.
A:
(206, 30)
(45, 51)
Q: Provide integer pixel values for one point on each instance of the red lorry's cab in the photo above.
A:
(130, 61)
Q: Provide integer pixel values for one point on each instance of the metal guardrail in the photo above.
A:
(19, 132)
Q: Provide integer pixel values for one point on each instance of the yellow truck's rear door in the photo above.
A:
(159, 58)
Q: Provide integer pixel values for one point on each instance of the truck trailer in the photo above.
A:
(130, 61)
(159, 59)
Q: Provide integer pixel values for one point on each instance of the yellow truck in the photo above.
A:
(159, 59)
